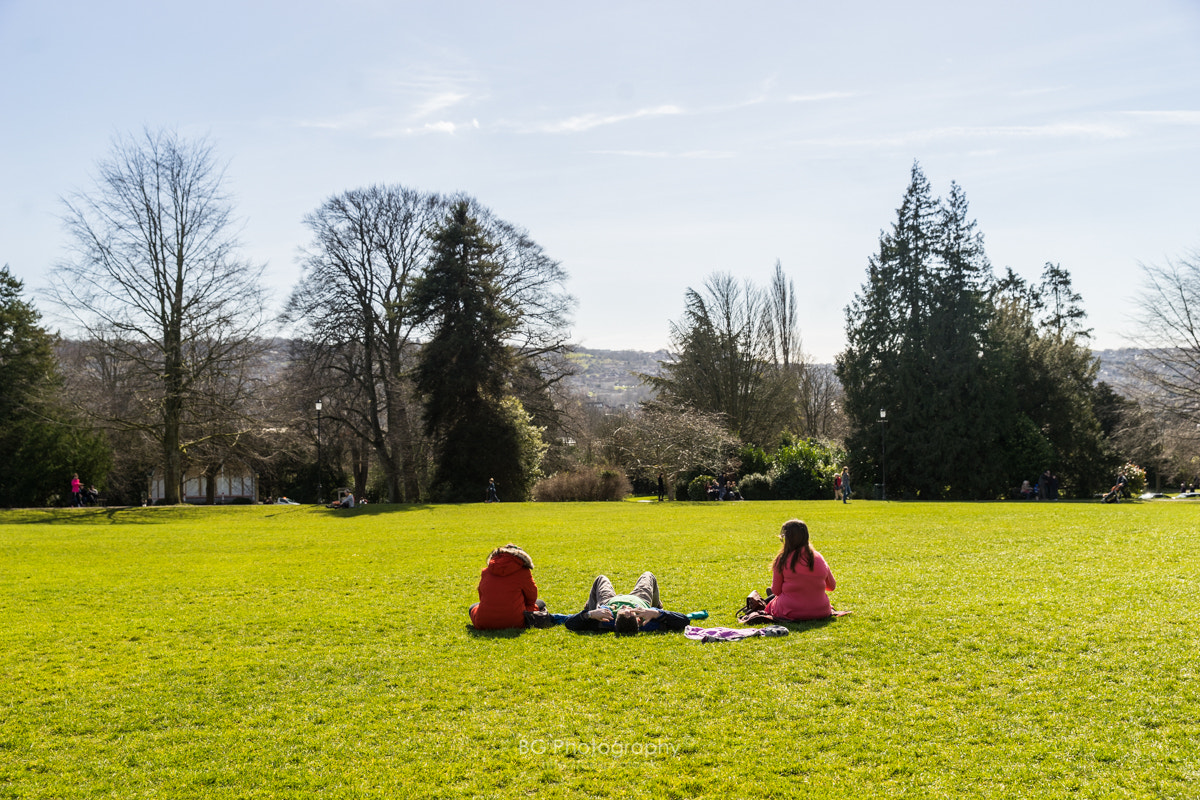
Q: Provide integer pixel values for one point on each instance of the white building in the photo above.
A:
(235, 483)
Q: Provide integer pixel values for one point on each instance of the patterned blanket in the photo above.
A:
(731, 634)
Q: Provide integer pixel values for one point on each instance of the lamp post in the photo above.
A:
(319, 498)
(883, 441)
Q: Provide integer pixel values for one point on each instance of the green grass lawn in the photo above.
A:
(994, 650)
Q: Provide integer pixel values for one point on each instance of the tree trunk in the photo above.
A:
(172, 457)
(360, 460)
(210, 483)
(408, 458)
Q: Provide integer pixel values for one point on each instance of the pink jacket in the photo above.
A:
(800, 593)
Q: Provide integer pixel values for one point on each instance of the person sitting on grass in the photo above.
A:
(508, 596)
(638, 611)
(345, 501)
(800, 578)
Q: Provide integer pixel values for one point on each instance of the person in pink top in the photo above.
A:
(800, 577)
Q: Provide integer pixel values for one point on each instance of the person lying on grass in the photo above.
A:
(800, 578)
(508, 597)
(640, 610)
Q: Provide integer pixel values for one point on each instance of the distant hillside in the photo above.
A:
(1115, 366)
(611, 377)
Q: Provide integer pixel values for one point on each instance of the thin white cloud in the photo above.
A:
(1170, 117)
(1037, 91)
(381, 123)
(350, 121)
(1062, 130)
(439, 102)
(816, 98)
(698, 154)
(586, 122)
(1059, 130)
(445, 127)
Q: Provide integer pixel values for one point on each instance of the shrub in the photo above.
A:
(698, 488)
(756, 487)
(1136, 477)
(754, 459)
(583, 485)
(804, 470)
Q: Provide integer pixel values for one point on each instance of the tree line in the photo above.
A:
(955, 383)
(434, 337)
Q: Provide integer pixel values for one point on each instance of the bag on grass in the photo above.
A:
(754, 602)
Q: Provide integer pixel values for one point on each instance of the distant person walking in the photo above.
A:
(845, 485)
(76, 491)
(492, 497)
(662, 488)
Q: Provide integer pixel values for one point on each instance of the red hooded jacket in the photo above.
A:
(506, 590)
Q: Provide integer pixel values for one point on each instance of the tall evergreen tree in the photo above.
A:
(1048, 390)
(986, 382)
(917, 347)
(885, 363)
(464, 366)
(42, 441)
(1061, 306)
(962, 371)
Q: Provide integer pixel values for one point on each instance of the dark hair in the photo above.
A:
(626, 622)
(795, 543)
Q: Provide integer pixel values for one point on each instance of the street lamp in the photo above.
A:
(319, 499)
(883, 441)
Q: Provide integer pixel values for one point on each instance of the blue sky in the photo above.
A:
(644, 145)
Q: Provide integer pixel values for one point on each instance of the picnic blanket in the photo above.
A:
(731, 634)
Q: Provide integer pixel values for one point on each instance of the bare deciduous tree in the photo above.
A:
(821, 414)
(357, 332)
(674, 439)
(157, 287)
(730, 358)
(1168, 334)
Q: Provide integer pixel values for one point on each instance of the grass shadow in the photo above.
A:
(376, 509)
(503, 633)
(808, 624)
(88, 515)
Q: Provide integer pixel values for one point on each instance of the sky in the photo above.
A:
(645, 145)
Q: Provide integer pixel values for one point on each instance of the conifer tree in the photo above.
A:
(42, 441)
(464, 366)
(887, 331)
(917, 348)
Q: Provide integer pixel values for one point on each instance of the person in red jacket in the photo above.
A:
(507, 594)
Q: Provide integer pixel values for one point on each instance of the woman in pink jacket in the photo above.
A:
(800, 577)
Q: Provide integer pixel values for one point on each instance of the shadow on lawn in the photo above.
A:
(88, 515)
(375, 509)
(504, 633)
(807, 625)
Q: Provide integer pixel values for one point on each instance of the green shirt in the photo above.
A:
(627, 601)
